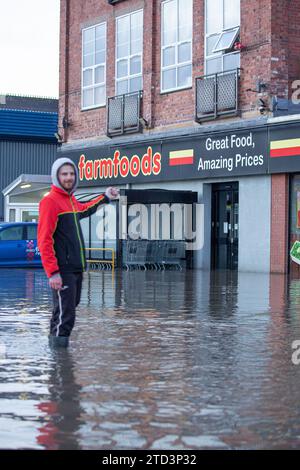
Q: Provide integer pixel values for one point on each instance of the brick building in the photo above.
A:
(207, 92)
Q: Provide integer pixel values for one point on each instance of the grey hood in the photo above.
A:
(54, 172)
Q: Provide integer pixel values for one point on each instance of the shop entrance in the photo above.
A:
(145, 229)
(156, 224)
(225, 226)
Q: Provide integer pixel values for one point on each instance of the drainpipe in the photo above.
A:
(65, 118)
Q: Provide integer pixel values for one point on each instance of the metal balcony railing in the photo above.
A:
(124, 113)
(217, 95)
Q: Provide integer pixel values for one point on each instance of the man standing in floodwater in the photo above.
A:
(61, 245)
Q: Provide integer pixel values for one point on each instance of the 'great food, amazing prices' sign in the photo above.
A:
(221, 155)
(194, 157)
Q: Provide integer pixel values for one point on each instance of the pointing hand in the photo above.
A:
(112, 193)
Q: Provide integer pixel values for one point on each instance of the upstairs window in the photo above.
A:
(222, 24)
(129, 53)
(94, 66)
(176, 40)
(226, 40)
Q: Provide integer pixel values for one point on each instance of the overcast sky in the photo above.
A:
(29, 47)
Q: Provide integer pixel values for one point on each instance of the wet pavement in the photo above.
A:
(157, 360)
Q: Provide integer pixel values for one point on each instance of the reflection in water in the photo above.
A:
(158, 360)
(62, 408)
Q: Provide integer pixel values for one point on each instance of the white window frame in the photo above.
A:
(220, 52)
(176, 45)
(19, 208)
(235, 32)
(128, 77)
(93, 67)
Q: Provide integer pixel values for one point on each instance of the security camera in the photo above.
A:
(144, 123)
(262, 107)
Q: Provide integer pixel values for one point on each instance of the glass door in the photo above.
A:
(225, 226)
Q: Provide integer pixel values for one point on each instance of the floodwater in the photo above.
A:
(157, 360)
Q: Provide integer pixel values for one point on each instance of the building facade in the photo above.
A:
(28, 147)
(197, 97)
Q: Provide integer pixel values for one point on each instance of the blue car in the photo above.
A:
(18, 245)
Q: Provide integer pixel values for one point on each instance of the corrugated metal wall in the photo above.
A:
(17, 122)
(23, 157)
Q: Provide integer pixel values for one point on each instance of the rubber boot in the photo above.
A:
(58, 341)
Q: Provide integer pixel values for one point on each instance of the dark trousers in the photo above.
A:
(65, 302)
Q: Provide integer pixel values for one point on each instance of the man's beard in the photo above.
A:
(68, 186)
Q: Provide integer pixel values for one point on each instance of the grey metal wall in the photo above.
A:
(255, 223)
(23, 157)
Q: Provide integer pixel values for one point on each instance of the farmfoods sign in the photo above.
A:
(120, 166)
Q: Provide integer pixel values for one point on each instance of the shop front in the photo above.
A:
(285, 160)
(216, 186)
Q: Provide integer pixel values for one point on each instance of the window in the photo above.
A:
(30, 216)
(129, 53)
(294, 215)
(226, 40)
(12, 233)
(176, 40)
(12, 215)
(94, 66)
(222, 31)
(31, 232)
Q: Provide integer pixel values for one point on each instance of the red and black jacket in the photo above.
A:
(60, 238)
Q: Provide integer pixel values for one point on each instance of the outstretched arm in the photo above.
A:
(88, 208)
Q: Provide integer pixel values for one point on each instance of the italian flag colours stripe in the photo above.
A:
(285, 148)
(181, 157)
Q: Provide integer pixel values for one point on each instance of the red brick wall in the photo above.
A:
(280, 49)
(255, 58)
(294, 42)
(285, 61)
(279, 223)
(270, 32)
(92, 123)
(62, 68)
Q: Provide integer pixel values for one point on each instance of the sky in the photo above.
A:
(29, 47)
